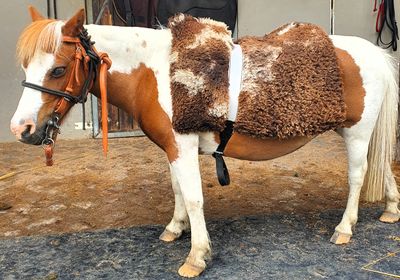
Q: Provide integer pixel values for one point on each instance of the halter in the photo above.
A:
(84, 52)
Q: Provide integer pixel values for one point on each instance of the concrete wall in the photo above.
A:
(13, 18)
(12, 21)
(257, 17)
(355, 17)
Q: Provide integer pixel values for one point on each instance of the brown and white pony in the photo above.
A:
(139, 83)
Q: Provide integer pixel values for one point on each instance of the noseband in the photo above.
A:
(86, 54)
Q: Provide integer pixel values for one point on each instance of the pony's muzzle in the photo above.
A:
(24, 131)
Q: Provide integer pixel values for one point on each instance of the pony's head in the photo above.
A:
(48, 51)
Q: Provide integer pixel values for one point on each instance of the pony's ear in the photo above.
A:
(75, 24)
(35, 15)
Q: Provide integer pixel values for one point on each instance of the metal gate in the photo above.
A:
(120, 123)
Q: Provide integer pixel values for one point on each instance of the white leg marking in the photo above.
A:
(357, 150)
(392, 195)
(186, 169)
(180, 220)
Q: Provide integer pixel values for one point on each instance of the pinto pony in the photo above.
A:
(139, 82)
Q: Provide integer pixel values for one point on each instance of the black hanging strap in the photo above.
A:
(387, 18)
(129, 13)
(222, 170)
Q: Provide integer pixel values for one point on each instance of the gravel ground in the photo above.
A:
(263, 247)
(93, 218)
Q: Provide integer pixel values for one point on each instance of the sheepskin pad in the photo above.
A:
(199, 65)
(291, 84)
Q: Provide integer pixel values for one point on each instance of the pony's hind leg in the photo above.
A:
(357, 150)
(392, 212)
(374, 134)
(180, 220)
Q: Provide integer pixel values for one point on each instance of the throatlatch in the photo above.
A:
(222, 169)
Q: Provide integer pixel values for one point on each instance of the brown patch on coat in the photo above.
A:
(291, 84)
(354, 91)
(199, 74)
(144, 44)
(250, 148)
(137, 94)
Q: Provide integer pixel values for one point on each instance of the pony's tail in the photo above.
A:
(383, 140)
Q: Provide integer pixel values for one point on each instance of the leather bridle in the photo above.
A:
(86, 55)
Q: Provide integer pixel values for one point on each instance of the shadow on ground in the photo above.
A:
(263, 247)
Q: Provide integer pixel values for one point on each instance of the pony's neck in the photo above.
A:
(128, 47)
(140, 66)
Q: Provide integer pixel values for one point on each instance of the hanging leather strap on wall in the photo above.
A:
(386, 18)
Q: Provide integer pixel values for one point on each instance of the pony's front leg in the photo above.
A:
(392, 212)
(180, 220)
(357, 159)
(187, 172)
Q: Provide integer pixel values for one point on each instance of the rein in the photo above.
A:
(85, 53)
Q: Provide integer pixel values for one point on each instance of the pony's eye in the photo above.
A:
(58, 72)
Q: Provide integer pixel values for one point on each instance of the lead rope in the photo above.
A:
(105, 65)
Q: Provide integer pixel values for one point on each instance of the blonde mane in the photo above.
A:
(41, 35)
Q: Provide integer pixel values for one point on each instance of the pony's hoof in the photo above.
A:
(390, 218)
(190, 271)
(340, 238)
(168, 236)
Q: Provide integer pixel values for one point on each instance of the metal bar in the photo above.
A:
(96, 126)
(95, 116)
(86, 12)
(122, 134)
(48, 8)
(105, 4)
(332, 17)
(55, 9)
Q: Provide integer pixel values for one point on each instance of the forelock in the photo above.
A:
(39, 36)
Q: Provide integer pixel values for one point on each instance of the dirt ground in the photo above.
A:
(85, 191)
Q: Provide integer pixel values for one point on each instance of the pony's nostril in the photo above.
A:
(27, 132)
